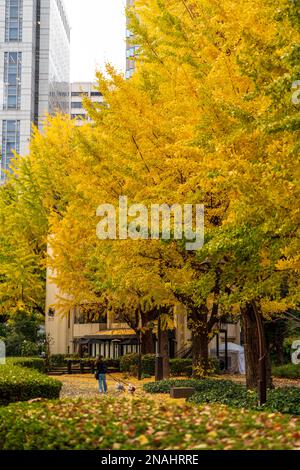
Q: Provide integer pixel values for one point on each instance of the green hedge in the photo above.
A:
(60, 360)
(288, 371)
(129, 362)
(22, 384)
(28, 362)
(178, 367)
(164, 386)
(226, 392)
(93, 424)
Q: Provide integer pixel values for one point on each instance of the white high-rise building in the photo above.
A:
(34, 70)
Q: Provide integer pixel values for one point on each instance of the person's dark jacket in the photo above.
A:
(101, 368)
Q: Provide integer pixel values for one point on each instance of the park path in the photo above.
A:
(86, 386)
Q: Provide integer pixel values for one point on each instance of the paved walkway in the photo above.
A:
(75, 386)
(87, 386)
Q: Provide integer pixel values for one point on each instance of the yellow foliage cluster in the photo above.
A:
(207, 119)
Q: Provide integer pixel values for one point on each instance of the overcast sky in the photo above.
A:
(97, 36)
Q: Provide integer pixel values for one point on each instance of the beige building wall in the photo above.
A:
(57, 329)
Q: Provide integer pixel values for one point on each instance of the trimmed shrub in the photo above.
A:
(164, 386)
(180, 367)
(288, 371)
(110, 363)
(57, 360)
(93, 424)
(285, 400)
(227, 392)
(282, 400)
(22, 384)
(29, 362)
(127, 361)
(148, 364)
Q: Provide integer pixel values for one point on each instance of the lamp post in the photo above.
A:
(262, 371)
(159, 375)
(139, 356)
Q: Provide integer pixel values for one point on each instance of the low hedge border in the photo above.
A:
(227, 392)
(22, 384)
(60, 360)
(35, 363)
(93, 424)
(287, 371)
(178, 367)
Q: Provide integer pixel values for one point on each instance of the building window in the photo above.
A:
(132, 52)
(13, 20)
(77, 105)
(79, 93)
(129, 73)
(10, 142)
(96, 93)
(12, 80)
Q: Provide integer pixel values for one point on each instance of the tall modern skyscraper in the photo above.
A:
(34, 70)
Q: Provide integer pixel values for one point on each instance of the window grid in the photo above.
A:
(10, 142)
(13, 20)
(12, 80)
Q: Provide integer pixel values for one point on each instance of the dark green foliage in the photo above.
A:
(22, 384)
(22, 335)
(58, 360)
(288, 371)
(226, 392)
(129, 363)
(181, 367)
(29, 362)
(148, 364)
(165, 386)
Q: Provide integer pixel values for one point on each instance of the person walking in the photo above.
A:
(101, 370)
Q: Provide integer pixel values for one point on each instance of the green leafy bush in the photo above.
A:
(29, 362)
(22, 384)
(164, 386)
(180, 367)
(112, 363)
(227, 392)
(58, 360)
(285, 400)
(288, 371)
(148, 364)
(29, 349)
(86, 424)
(129, 363)
(282, 400)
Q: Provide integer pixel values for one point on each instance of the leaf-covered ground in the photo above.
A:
(140, 423)
(75, 386)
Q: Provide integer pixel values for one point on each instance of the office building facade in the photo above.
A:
(131, 48)
(78, 92)
(34, 70)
